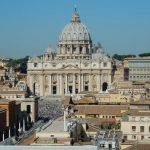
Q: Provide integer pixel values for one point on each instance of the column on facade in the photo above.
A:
(50, 84)
(109, 79)
(29, 77)
(61, 84)
(58, 85)
(84, 50)
(90, 85)
(71, 51)
(64, 119)
(79, 83)
(31, 83)
(82, 83)
(98, 82)
(74, 83)
(42, 88)
(63, 49)
(89, 47)
(102, 81)
(78, 49)
(59, 49)
(66, 84)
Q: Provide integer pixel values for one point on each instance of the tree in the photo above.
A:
(18, 64)
(144, 54)
(122, 57)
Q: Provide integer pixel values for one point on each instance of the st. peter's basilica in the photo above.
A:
(78, 66)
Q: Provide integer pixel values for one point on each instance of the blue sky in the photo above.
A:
(28, 26)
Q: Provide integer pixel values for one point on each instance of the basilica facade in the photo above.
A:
(78, 66)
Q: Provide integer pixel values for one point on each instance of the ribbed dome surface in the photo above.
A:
(75, 30)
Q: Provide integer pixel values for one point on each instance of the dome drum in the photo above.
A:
(75, 39)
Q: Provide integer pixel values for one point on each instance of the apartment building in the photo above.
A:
(135, 125)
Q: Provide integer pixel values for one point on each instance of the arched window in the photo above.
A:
(75, 36)
(64, 36)
(69, 36)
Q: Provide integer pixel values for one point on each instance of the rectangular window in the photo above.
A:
(35, 64)
(133, 118)
(141, 118)
(125, 137)
(105, 64)
(76, 91)
(142, 137)
(70, 89)
(86, 88)
(134, 137)
(141, 128)
(133, 128)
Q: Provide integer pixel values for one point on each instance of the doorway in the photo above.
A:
(104, 87)
(70, 89)
(86, 88)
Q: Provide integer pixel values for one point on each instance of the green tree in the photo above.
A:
(19, 64)
(122, 57)
(144, 54)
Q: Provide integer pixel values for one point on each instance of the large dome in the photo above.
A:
(75, 30)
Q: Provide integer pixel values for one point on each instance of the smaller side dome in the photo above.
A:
(48, 53)
(49, 50)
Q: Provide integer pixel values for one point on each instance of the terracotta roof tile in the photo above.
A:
(100, 109)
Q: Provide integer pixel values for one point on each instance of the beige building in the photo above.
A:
(128, 89)
(100, 111)
(112, 97)
(29, 105)
(139, 68)
(119, 74)
(136, 125)
(76, 66)
(2, 74)
(3, 62)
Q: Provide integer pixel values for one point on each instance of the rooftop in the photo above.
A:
(6, 101)
(95, 121)
(56, 126)
(138, 58)
(100, 109)
(139, 147)
(135, 112)
(141, 102)
(86, 100)
(12, 92)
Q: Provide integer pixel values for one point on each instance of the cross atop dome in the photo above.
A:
(75, 16)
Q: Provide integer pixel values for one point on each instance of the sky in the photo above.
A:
(28, 26)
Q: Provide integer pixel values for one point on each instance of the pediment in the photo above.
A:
(70, 67)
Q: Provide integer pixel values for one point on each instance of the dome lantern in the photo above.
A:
(75, 16)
